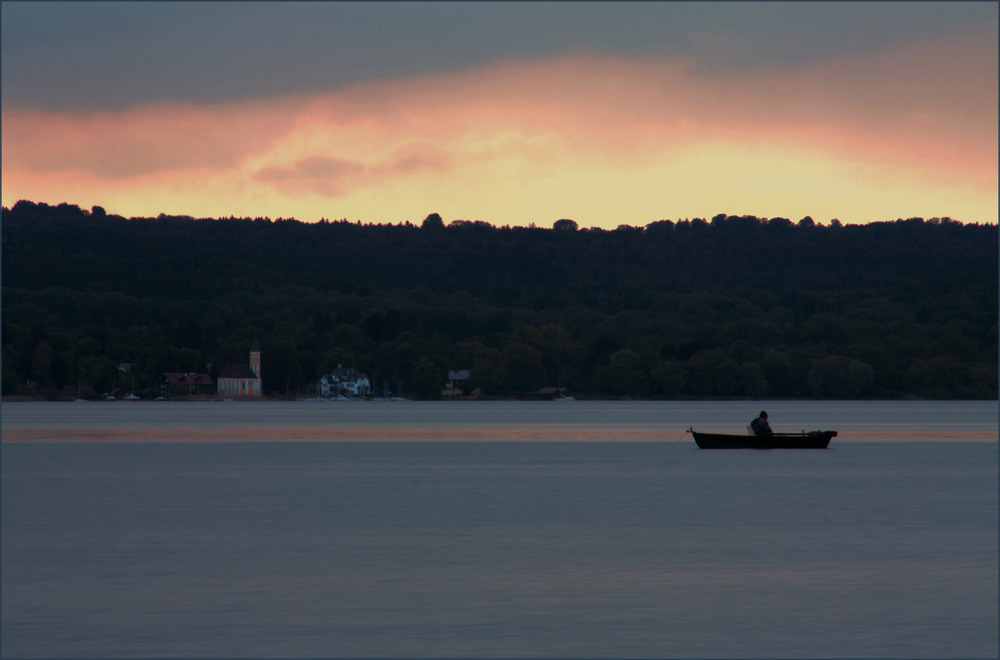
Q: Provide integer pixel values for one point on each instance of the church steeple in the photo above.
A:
(255, 358)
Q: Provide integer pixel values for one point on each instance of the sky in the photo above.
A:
(510, 113)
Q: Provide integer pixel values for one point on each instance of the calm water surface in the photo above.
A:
(407, 529)
(574, 421)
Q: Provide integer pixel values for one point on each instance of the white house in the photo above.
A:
(457, 381)
(344, 381)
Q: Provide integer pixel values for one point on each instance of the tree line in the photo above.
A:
(732, 306)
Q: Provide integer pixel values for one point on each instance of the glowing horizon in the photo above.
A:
(907, 131)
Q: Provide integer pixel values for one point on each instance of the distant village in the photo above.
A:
(239, 381)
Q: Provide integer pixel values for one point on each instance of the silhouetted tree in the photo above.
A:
(433, 221)
(736, 307)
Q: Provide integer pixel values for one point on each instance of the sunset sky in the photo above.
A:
(509, 113)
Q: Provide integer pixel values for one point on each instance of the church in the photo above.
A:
(240, 379)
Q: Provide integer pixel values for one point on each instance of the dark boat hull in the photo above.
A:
(809, 440)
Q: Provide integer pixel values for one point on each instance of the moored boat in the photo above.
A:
(803, 440)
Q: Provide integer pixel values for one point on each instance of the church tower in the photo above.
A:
(255, 363)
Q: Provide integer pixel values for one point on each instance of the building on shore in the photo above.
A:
(194, 383)
(458, 384)
(344, 381)
(237, 379)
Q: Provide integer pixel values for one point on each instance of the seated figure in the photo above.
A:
(760, 426)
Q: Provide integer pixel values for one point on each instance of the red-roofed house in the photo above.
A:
(194, 382)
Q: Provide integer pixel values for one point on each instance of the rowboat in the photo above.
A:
(803, 440)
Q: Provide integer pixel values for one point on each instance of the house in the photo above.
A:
(554, 393)
(344, 381)
(546, 394)
(457, 381)
(237, 379)
(194, 383)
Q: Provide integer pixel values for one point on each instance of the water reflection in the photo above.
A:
(501, 421)
(420, 434)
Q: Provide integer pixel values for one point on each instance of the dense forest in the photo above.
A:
(734, 306)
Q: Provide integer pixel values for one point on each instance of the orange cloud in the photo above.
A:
(910, 130)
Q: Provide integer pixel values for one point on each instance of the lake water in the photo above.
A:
(496, 529)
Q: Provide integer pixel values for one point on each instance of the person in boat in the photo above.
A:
(760, 425)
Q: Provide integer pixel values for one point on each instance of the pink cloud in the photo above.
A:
(318, 174)
(117, 145)
(917, 112)
(330, 177)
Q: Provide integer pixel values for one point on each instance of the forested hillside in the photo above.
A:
(732, 306)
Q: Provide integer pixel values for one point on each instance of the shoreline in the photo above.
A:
(19, 398)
